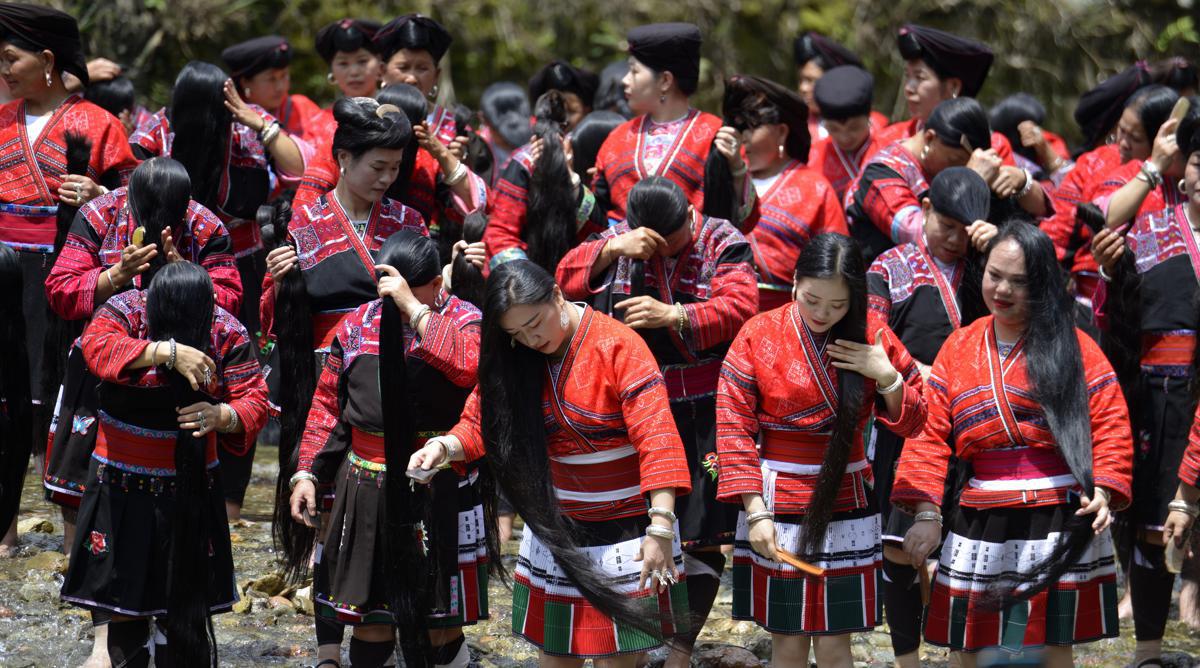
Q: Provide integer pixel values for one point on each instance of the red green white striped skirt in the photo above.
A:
(549, 612)
(984, 544)
(783, 600)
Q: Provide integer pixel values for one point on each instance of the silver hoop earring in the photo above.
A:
(342, 171)
(329, 77)
(1182, 187)
(924, 152)
(563, 318)
(433, 92)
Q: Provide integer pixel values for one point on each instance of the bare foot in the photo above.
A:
(8, 551)
(1125, 606)
(99, 656)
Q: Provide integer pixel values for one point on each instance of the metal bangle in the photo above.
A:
(1190, 509)
(760, 515)
(928, 516)
(456, 177)
(896, 384)
(663, 513)
(660, 532)
(416, 317)
(298, 476)
(171, 359)
(234, 421)
(1028, 185)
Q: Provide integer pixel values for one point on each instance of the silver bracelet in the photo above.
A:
(1192, 510)
(896, 384)
(660, 532)
(928, 516)
(1028, 185)
(301, 475)
(416, 317)
(663, 513)
(459, 173)
(760, 515)
(234, 421)
(171, 359)
(1150, 171)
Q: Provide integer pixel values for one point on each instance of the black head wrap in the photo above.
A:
(49, 29)
(950, 56)
(844, 92)
(1100, 108)
(669, 47)
(347, 35)
(248, 58)
(751, 101)
(413, 32)
(828, 53)
(562, 76)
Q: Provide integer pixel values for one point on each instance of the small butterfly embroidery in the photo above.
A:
(81, 424)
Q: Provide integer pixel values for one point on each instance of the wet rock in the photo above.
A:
(235, 537)
(762, 648)
(724, 656)
(280, 605)
(38, 592)
(53, 562)
(270, 584)
(1177, 660)
(243, 606)
(284, 650)
(303, 600)
(35, 525)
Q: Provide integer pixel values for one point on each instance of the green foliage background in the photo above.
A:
(1054, 49)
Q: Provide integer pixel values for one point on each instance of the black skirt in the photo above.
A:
(703, 520)
(1166, 419)
(350, 578)
(73, 434)
(120, 557)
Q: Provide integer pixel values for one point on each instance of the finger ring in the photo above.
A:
(203, 423)
(207, 375)
(78, 188)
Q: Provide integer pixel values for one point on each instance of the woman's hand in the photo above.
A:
(655, 555)
(431, 455)
(134, 261)
(429, 142)
(980, 233)
(986, 163)
(762, 538)
(1176, 527)
(393, 286)
(1098, 504)
(280, 261)
(868, 360)
(641, 243)
(303, 503)
(242, 112)
(1166, 147)
(168, 244)
(645, 312)
(920, 541)
(475, 253)
(202, 417)
(458, 147)
(729, 145)
(198, 368)
(1009, 181)
(1107, 248)
(77, 190)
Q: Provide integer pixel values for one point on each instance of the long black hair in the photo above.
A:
(549, 230)
(610, 94)
(360, 128)
(60, 332)
(16, 421)
(411, 103)
(962, 195)
(298, 374)
(467, 280)
(959, 122)
(114, 95)
(1153, 105)
(588, 137)
(159, 194)
(1007, 114)
(1054, 364)
(201, 124)
(511, 381)
(180, 305)
(834, 256)
(414, 579)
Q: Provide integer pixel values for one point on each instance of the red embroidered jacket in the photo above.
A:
(798, 206)
(901, 130)
(118, 334)
(776, 406)
(104, 227)
(610, 435)
(1072, 241)
(1189, 468)
(982, 410)
(450, 346)
(33, 167)
(841, 168)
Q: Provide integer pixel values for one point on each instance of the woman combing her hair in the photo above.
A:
(177, 374)
(571, 414)
(802, 380)
(1031, 405)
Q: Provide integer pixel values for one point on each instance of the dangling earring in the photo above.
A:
(1182, 187)
(433, 93)
(781, 152)
(563, 318)
(49, 82)
(342, 171)
(1111, 139)
(924, 152)
(329, 77)
(662, 99)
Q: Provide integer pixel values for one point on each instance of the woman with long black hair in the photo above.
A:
(1029, 403)
(883, 205)
(177, 374)
(504, 112)
(925, 290)
(231, 149)
(803, 379)
(795, 203)
(117, 242)
(1148, 311)
(572, 416)
(404, 362)
(668, 138)
(540, 208)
